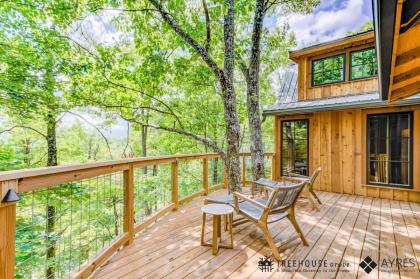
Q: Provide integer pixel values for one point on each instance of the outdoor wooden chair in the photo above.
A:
(309, 190)
(228, 200)
(279, 205)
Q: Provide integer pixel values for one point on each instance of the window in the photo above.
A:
(328, 70)
(294, 146)
(389, 149)
(363, 64)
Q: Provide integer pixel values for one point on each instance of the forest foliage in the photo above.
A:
(71, 72)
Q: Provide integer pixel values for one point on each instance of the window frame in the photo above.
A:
(410, 153)
(324, 58)
(351, 64)
(307, 142)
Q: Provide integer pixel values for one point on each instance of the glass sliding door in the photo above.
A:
(294, 146)
(389, 145)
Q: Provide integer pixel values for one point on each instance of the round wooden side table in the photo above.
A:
(217, 210)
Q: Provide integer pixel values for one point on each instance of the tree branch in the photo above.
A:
(167, 17)
(208, 30)
(202, 139)
(23, 127)
(96, 128)
(147, 95)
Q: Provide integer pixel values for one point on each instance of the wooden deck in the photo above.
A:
(347, 229)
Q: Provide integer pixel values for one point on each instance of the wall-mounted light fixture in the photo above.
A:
(11, 196)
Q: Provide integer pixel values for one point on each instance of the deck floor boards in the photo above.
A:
(345, 230)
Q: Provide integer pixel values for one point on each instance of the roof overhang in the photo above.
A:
(397, 43)
(368, 100)
(342, 43)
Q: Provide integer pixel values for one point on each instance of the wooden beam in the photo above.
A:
(398, 13)
(206, 176)
(405, 92)
(129, 204)
(31, 183)
(415, 72)
(333, 46)
(174, 183)
(225, 178)
(153, 160)
(273, 167)
(243, 170)
(7, 232)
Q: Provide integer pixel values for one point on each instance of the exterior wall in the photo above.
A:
(337, 143)
(304, 60)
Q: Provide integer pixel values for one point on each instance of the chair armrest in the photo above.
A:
(296, 175)
(291, 179)
(248, 199)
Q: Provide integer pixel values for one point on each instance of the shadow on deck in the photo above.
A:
(346, 230)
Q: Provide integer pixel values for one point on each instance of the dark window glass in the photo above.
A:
(294, 147)
(389, 149)
(363, 64)
(328, 70)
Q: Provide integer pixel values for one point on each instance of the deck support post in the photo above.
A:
(225, 179)
(7, 231)
(174, 182)
(243, 171)
(206, 176)
(273, 167)
(129, 203)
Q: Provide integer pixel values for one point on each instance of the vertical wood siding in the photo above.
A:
(337, 143)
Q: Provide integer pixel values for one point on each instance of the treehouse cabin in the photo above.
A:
(331, 113)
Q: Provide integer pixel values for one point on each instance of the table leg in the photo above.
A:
(219, 227)
(215, 240)
(203, 228)
(230, 228)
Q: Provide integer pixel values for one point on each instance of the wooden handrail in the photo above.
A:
(27, 180)
(137, 162)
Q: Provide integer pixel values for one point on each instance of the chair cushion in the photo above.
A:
(254, 212)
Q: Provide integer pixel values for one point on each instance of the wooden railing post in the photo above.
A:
(206, 175)
(174, 181)
(225, 178)
(243, 171)
(129, 203)
(7, 231)
(273, 167)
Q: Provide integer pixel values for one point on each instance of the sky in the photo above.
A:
(332, 19)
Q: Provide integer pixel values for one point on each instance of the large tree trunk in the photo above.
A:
(225, 78)
(51, 209)
(233, 130)
(252, 80)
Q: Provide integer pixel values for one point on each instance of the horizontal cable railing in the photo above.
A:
(71, 219)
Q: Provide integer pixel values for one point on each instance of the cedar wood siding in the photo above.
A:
(337, 143)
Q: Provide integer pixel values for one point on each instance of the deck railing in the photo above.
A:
(71, 219)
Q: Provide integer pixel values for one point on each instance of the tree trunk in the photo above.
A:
(225, 78)
(143, 131)
(51, 210)
(215, 170)
(252, 81)
(233, 130)
(51, 140)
